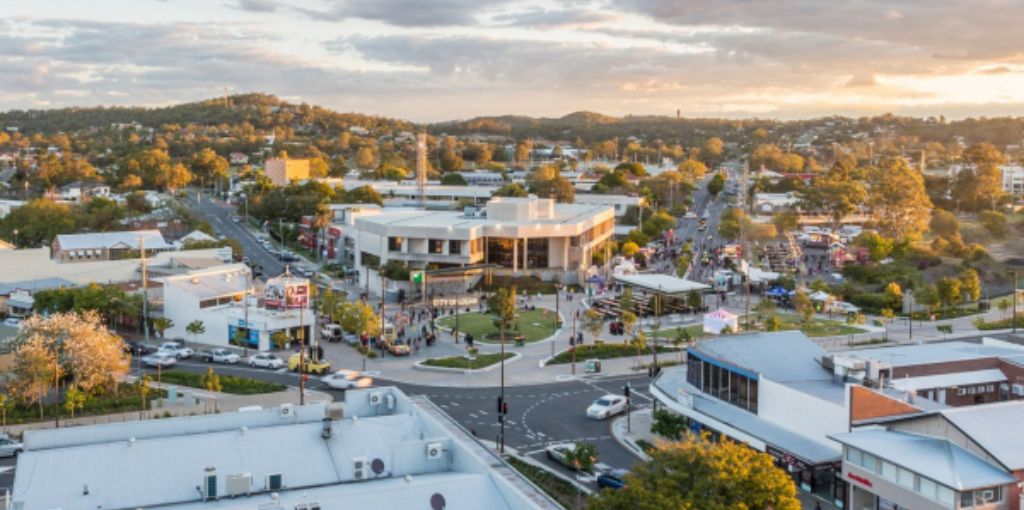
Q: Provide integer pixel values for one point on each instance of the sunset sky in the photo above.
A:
(431, 60)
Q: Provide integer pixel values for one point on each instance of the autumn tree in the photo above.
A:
(208, 166)
(900, 207)
(803, 305)
(949, 291)
(692, 170)
(359, 318)
(35, 370)
(712, 152)
(836, 193)
(88, 352)
(365, 157)
(970, 284)
(944, 223)
(697, 473)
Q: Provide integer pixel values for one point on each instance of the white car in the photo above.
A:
(344, 379)
(178, 350)
(606, 407)
(161, 359)
(220, 356)
(12, 322)
(265, 360)
(9, 447)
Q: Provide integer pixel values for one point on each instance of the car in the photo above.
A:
(312, 366)
(702, 228)
(331, 332)
(137, 348)
(690, 215)
(344, 379)
(395, 349)
(12, 322)
(559, 452)
(219, 356)
(606, 407)
(9, 447)
(160, 359)
(612, 479)
(265, 360)
(303, 271)
(179, 350)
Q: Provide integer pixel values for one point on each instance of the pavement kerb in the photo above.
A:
(420, 365)
(617, 429)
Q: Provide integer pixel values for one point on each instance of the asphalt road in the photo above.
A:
(220, 216)
(539, 415)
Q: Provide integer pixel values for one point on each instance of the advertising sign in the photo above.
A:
(287, 293)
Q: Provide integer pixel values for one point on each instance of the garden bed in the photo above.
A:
(533, 325)
(126, 400)
(604, 351)
(818, 327)
(229, 383)
(462, 362)
(562, 491)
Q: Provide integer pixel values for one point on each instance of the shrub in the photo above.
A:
(229, 383)
(602, 351)
(481, 361)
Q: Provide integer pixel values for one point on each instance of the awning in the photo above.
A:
(662, 283)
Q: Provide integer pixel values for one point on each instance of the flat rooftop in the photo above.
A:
(930, 353)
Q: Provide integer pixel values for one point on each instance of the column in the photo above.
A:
(515, 255)
(526, 248)
(565, 253)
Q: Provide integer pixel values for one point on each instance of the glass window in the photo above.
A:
(454, 247)
(870, 462)
(945, 496)
(706, 375)
(537, 253)
(966, 499)
(435, 246)
(889, 470)
(716, 379)
(394, 244)
(852, 455)
(988, 496)
(926, 487)
(905, 478)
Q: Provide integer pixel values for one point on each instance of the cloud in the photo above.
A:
(542, 19)
(257, 5)
(406, 13)
(862, 80)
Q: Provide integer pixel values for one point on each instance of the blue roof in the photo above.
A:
(782, 356)
(994, 427)
(936, 352)
(932, 457)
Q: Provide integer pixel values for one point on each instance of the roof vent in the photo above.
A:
(326, 431)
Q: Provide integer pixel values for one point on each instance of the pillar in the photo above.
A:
(515, 255)
(526, 248)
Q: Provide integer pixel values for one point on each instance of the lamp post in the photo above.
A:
(15, 238)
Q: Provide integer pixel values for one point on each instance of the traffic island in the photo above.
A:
(603, 351)
(467, 364)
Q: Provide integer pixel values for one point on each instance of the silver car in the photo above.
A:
(9, 447)
(161, 359)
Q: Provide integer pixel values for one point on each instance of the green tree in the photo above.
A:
(694, 300)
(803, 305)
(74, 399)
(37, 222)
(512, 189)
(162, 324)
(949, 291)
(502, 304)
(900, 207)
(696, 473)
(731, 223)
(994, 222)
(195, 328)
(716, 184)
(668, 425)
(626, 300)
(878, 247)
(593, 323)
(928, 297)
(453, 179)
(280, 339)
(786, 220)
(944, 223)
(837, 193)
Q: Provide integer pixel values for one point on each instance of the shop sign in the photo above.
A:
(786, 458)
(857, 478)
(446, 302)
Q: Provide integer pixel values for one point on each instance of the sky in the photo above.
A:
(433, 60)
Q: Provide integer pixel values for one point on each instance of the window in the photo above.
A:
(966, 499)
(454, 247)
(852, 455)
(905, 478)
(395, 244)
(870, 462)
(926, 487)
(435, 246)
(945, 496)
(889, 470)
(988, 496)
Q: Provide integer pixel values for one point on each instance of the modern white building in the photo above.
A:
(378, 449)
(217, 297)
(518, 235)
(1013, 179)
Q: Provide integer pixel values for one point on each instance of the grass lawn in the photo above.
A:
(817, 327)
(530, 284)
(127, 399)
(229, 383)
(562, 491)
(696, 331)
(481, 361)
(533, 325)
(603, 351)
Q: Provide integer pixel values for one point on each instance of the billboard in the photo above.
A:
(282, 293)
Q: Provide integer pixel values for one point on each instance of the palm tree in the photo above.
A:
(162, 324)
(321, 220)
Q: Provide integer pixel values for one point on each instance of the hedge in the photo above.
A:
(481, 361)
(229, 383)
(604, 351)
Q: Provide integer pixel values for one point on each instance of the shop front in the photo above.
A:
(821, 480)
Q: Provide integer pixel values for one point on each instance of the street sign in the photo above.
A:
(417, 276)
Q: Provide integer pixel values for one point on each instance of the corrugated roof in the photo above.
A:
(938, 352)
(220, 281)
(995, 427)
(154, 240)
(663, 282)
(992, 375)
(35, 285)
(781, 356)
(932, 457)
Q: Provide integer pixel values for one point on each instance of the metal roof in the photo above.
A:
(154, 240)
(218, 281)
(991, 375)
(663, 283)
(781, 356)
(36, 285)
(937, 352)
(931, 457)
(995, 427)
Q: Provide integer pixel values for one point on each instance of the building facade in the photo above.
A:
(107, 245)
(282, 171)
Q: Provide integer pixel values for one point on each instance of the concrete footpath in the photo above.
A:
(194, 402)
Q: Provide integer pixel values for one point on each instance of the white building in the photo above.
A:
(216, 296)
(107, 245)
(1013, 179)
(519, 235)
(378, 449)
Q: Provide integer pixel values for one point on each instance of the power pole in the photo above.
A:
(145, 294)
(743, 239)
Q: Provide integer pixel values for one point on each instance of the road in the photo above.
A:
(539, 415)
(220, 216)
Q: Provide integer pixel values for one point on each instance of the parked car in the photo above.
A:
(331, 332)
(303, 271)
(265, 360)
(13, 322)
(606, 407)
(179, 350)
(395, 349)
(342, 379)
(559, 453)
(612, 479)
(219, 356)
(137, 348)
(318, 367)
(9, 447)
(162, 359)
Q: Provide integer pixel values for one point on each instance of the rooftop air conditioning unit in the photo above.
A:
(237, 485)
(209, 487)
(359, 468)
(274, 482)
(376, 397)
(434, 451)
(307, 506)
(286, 410)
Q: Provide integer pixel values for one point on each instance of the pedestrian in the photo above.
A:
(817, 505)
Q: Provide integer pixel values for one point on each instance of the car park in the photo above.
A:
(310, 365)
(161, 359)
(612, 479)
(176, 348)
(343, 379)
(606, 407)
(265, 360)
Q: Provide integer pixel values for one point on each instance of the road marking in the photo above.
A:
(471, 415)
(483, 413)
